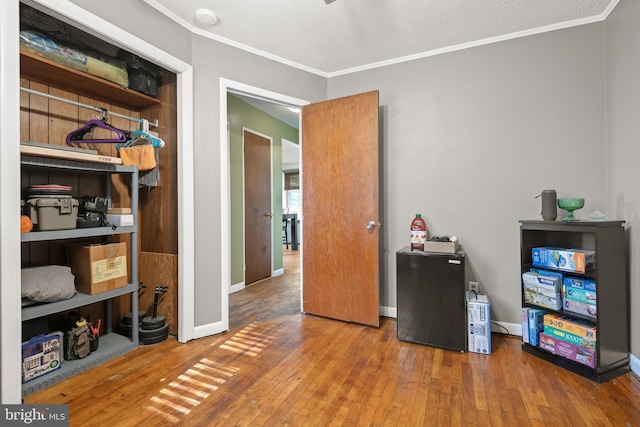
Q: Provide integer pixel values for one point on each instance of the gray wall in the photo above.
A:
(212, 60)
(623, 131)
(144, 22)
(471, 137)
(482, 130)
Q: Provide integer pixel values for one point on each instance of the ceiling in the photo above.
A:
(279, 111)
(350, 35)
(290, 151)
(331, 38)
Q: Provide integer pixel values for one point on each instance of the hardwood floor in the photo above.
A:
(268, 299)
(277, 366)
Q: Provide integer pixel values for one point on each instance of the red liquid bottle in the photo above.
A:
(418, 233)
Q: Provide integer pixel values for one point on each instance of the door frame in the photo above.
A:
(227, 85)
(11, 337)
(186, 195)
(244, 205)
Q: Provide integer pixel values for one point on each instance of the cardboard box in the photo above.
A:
(525, 324)
(442, 247)
(479, 323)
(577, 260)
(569, 337)
(119, 211)
(41, 354)
(580, 308)
(580, 283)
(542, 290)
(551, 273)
(578, 327)
(536, 324)
(580, 289)
(98, 268)
(580, 295)
(570, 351)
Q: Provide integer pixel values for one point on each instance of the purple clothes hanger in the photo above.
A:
(78, 134)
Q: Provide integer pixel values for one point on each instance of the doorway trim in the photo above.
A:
(184, 79)
(226, 86)
(10, 388)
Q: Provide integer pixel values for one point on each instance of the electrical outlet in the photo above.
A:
(473, 287)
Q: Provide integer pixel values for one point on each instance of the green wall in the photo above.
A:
(240, 114)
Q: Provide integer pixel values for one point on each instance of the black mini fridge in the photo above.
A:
(431, 299)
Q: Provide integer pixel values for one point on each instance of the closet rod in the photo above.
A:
(90, 107)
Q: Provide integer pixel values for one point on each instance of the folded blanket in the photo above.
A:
(48, 283)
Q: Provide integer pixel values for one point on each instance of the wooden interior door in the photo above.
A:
(257, 209)
(340, 274)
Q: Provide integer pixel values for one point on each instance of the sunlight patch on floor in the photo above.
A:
(248, 342)
(189, 389)
(170, 418)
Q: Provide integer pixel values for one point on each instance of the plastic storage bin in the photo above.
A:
(53, 213)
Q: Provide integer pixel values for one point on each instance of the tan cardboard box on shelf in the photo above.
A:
(98, 268)
(120, 211)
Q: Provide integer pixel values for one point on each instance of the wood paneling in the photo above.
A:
(159, 230)
(49, 121)
(160, 270)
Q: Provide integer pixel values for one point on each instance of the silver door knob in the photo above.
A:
(371, 225)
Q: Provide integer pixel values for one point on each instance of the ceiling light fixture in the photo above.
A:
(206, 17)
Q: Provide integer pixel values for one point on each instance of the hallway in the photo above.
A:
(269, 298)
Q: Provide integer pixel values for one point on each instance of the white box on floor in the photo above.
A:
(478, 323)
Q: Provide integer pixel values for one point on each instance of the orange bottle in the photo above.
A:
(418, 233)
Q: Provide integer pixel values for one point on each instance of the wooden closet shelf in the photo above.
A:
(36, 68)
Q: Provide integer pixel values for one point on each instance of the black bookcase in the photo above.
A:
(607, 239)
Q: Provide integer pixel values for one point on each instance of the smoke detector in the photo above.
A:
(206, 17)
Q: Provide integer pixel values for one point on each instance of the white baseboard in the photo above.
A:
(497, 327)
(237, 287)
(506, 328)
(389, 312)
(635, 364)
(209, 329)
(240, 286)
